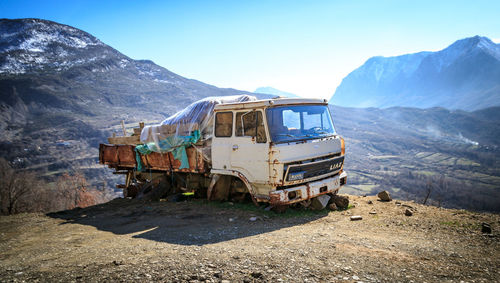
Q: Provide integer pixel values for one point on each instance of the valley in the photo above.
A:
(419, 153)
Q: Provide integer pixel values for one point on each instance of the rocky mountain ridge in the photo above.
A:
(465, 75)
(32, 45)
(46, 64)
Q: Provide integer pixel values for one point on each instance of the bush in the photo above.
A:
(22, 191)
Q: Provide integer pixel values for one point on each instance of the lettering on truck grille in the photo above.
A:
(296, 172)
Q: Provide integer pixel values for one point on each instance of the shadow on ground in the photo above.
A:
(186, 223)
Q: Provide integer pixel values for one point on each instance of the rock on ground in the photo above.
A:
(384, 196)
(342, 202)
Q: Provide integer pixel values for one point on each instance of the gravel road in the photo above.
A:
(196, 241)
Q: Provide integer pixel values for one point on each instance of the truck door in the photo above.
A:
(222, 141)
(250, 149)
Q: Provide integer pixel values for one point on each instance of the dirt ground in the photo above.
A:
(196, 241)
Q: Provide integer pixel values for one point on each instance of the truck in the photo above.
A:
(280, 151)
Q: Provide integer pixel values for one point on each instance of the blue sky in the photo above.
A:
(303, 47)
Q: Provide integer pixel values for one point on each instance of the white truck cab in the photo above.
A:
(284, 150)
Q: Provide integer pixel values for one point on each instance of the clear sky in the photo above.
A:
(303, 47)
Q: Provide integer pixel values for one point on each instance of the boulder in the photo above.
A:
(320, 202)
(408, 212)
(340, 201)
(384, 196)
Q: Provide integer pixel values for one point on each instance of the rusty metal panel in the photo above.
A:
(200, 162)
(126, 155)
(195, 158)
(101, 153)
(117, 155)
(108, 154)
(157, 161)
(166, 161)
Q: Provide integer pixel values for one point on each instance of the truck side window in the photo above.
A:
(261, 132)
(251, 124)
(224, 124)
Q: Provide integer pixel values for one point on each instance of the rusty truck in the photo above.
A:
(280, 151)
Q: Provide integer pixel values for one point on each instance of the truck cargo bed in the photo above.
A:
(123, 157)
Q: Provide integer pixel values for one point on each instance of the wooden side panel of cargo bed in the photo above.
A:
(166, 161)
(124, 156)
(117, 155)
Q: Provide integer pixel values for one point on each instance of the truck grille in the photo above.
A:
(308, 170)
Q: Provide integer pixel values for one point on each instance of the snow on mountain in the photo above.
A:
(54, 67)
(465, 75)
(32, 44)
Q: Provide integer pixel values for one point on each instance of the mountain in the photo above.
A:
(274, 92)
(46, 64)
(465, 75)
(61, 83)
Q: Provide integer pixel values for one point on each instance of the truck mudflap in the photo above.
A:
(307, 191)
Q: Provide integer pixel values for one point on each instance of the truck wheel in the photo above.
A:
(155, 189)
(131, 191)
(222, 188)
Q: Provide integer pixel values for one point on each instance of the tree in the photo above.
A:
(74, 193)
(14, 185)
(428, 188)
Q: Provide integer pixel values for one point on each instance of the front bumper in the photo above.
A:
(308, 190)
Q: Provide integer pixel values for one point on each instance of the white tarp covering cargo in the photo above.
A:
(194, 123)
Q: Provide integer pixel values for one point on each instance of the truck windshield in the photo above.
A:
(299, 122)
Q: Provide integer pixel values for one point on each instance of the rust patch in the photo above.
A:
(274, 199)
(166, 162)
(117, 155)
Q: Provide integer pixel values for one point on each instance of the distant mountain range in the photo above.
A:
(275, 92)
(465, 75)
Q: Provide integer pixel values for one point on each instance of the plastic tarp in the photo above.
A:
(192, 126)
(175, 144)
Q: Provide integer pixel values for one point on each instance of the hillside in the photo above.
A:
(408, 151)
(465, 75)
(129, 240)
